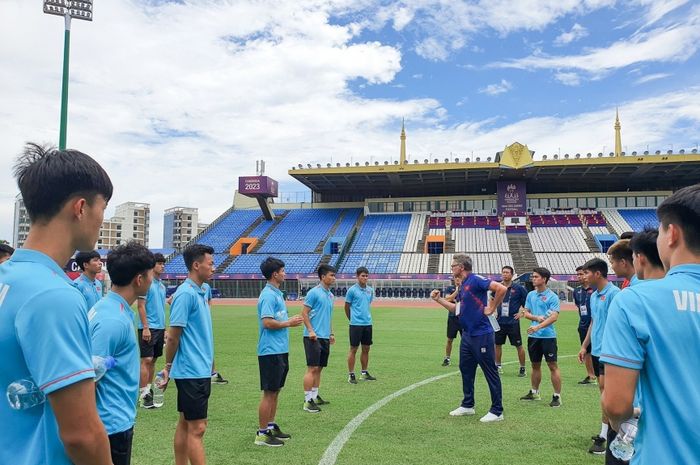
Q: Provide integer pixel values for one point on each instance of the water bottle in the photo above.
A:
(101, 365)
(494, 322)
(622, 446)
(158, 394)
(24, 394)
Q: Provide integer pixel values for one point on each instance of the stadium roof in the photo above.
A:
(577, 173)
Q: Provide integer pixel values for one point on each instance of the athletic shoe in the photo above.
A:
(147, 401)
(320, 401)
(367, 377)
(216, 378)
(500, 369)
(462, 411)
(598, 447)
(556, 401)
(521, 373)
(267, 439)
(277, 432)
(352, 379)
(490, 418)
(531, 396)
(446, 362)
(588, 380)
(310, 406)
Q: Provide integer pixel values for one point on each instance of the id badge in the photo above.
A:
(457, 309)
(584, 310)
(505, 309)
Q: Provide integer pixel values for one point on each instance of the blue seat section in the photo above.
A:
(293, 263)
(382, 233)
(229, 229)
(300, 231)
(177, 264)
(637, 219)
(264, 225)
(347, 222)
(376, 263)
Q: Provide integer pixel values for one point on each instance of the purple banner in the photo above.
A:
(257, 185)
(512, 198)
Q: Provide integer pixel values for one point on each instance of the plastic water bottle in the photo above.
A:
(622, 446)
(24, 394)
(158, 394)
(494, 322)
(101, 365)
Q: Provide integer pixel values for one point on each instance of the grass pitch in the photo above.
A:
(414, 428)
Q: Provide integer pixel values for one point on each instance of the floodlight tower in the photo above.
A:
(68, 9)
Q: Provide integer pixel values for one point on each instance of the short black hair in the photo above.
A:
(579, 268)
(159, 257)
(682, 208)
(644, 243)
(627, 235)
(6, 249)
(270, 266)
(194, 253)
(544, 272)
(48, 178)
(361, 270)
(127, 261)
(323, 270)
(508, 267)
(597, 264)
(81, 258)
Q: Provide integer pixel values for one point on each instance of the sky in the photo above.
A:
(177, 99)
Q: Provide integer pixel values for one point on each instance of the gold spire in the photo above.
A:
(618, 138)
(403, 143)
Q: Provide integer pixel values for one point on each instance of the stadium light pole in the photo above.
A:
(68, 9)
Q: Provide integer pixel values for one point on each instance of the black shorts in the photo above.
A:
(512, 332)
(453, 327)
(538, 347)
(193, 397)
(598, 366)
(273, 371)
(154, 347)
(582, 336)
(120, 446)
(360, 335)
(317, 352)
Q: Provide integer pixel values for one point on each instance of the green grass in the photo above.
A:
(414, 428)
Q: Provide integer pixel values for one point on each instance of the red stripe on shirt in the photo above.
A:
(65, 378)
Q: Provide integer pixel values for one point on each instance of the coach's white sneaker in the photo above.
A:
(462, 411)
(490, 418)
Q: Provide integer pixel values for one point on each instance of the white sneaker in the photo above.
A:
(462, 411)
(490, 418)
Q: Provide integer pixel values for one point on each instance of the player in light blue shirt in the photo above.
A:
(651, 338)
(87, 283)
(273, 351)
(318, 335)
(112, 333)
(189, 354)
(542, 308)
(357, 309)
(595, 272)
(6, 252)
(44, 334)
(151, 324)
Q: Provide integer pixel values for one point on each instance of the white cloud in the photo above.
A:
(568, 79)
(660, 8)
(651, 77)
(496, 89)
(577, 32)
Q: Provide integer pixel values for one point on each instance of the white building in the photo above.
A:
(131, 222)
(180, 225)
(21, 223)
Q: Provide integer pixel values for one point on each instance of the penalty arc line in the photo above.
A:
(336, 446)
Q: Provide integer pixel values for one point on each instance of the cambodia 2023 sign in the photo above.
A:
(512, 197)
(257, 185)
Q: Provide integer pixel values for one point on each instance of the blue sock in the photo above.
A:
(262, 431)
(271, 425)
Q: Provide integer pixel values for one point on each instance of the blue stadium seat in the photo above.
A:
(294, 263)
(382, 233)
(300, 231)
(638, 219)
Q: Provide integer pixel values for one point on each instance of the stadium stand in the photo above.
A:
(413, 263)
(375, 262)
(294, 263)
(558, 239)
(348, 222)
(300, 231)
(228, 229)
(177, 264)
(382, 233)
(415, 232)
(639, 218)
(482, 263)
(566, 263)
(615, 220)
(479, 240)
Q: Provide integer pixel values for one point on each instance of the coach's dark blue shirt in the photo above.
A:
(473, 297)
(582, 299)
(513, 300)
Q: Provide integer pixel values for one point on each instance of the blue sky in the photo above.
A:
(176, 99)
